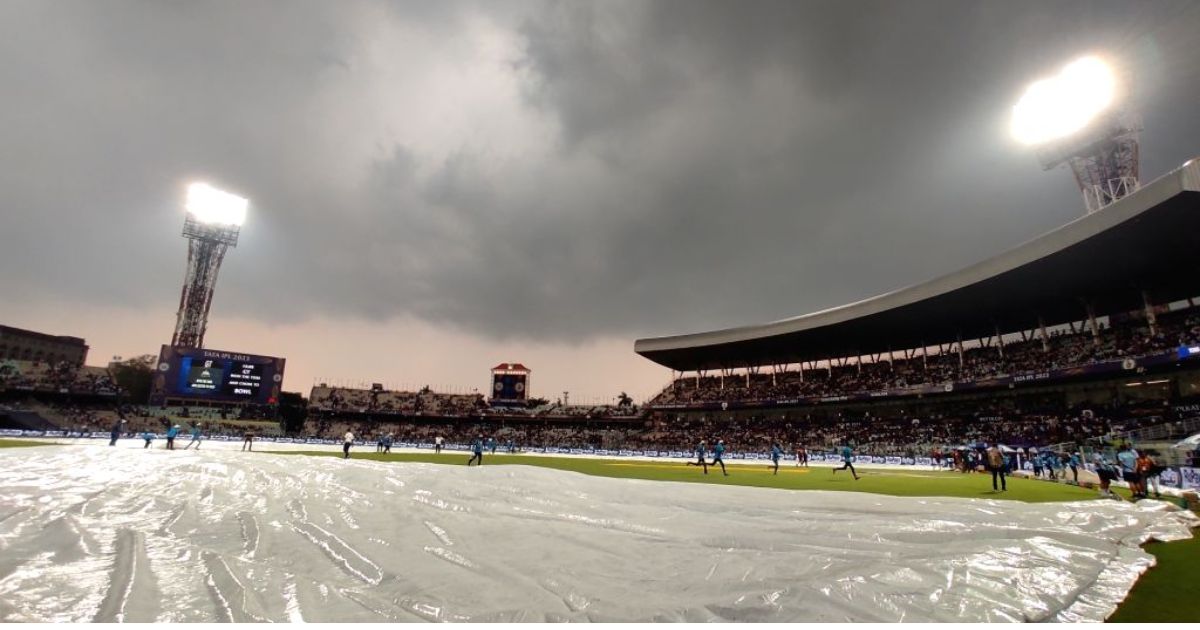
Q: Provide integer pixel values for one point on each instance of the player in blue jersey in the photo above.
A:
(847, 461)
(477, 450)
(195, 437)
(171, 433)
(701, 451)
(776, 453)
(718, 456)
(1107, 473)
(1127, 459)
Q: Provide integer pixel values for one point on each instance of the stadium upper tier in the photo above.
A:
(1144, 244)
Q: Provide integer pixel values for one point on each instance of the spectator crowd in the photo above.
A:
(1065, 348)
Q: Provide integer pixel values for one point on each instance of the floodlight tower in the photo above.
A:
(1070, 118)
(214, 220)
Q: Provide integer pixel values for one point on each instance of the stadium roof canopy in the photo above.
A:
(1149, 240)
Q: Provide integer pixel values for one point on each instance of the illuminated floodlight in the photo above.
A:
(1059, 106)
(215, 207)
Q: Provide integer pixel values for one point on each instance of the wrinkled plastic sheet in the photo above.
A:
(121, 534)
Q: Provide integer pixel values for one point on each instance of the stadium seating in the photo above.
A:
(59, 378)
(1129, 338)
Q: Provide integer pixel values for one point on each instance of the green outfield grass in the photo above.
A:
(19, 443)
(914, 482)
(1165, 594)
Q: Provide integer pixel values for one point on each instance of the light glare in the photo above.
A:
(1061, 105)
(217, 207)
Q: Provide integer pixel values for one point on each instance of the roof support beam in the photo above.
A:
(961, 361)
(1151, 319)
(1091, 318)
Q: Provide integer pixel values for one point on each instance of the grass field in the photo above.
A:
(1165, 594)
(19, 443)
(904, 483)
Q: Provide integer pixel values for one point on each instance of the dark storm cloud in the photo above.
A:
(554, 171)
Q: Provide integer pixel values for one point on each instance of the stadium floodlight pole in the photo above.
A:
(212, 225)
(1072, 119)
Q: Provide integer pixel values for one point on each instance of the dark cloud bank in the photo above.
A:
(660, 167)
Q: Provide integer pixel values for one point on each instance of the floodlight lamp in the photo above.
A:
(1061, 105)
(215, 207)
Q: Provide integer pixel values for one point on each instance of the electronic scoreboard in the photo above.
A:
(218, 375)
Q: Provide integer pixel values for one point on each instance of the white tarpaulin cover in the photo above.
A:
(1192, 442)
(92, 533)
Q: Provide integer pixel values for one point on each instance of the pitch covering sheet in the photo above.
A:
(125, 534)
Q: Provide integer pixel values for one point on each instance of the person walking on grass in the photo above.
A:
(718, 454)
(995, 463)
(701, 451)
(1147, 474)
(776, 454)
(437, 445)
(801, 456)
(1074, 462)
(347, 441)
(1106, 472)
(847, 461)
(1127, 458)
(248, 441)
(477, 451)
(388, 440)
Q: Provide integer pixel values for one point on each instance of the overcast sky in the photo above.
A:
(437, 186)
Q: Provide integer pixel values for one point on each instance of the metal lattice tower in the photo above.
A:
(207, 244)
(1104, 159)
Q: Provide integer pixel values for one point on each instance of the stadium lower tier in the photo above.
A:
(1030, 415)
(908, 429)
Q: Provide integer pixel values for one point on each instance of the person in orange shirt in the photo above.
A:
(1148, 473)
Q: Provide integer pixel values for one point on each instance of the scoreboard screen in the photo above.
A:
(218, 375)
(508, 387)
